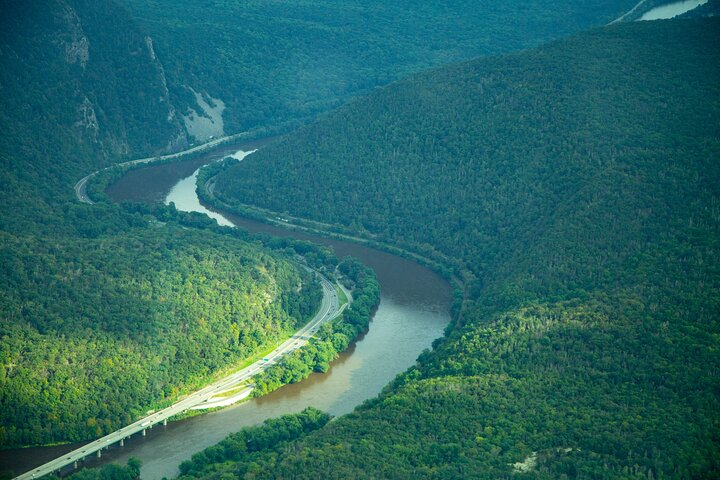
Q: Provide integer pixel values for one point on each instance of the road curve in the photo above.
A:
(329, 309)
(81, 185)
(629, 12)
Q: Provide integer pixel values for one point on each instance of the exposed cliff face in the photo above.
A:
(207, 121)
(171, 117)
(87, 119)
(81, 74)
(72, 37)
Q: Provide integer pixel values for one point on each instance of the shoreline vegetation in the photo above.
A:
(332, 339)
(577, 182)
(569, 192)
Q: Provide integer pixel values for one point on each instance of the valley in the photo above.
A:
(569, 183)
(553, 168)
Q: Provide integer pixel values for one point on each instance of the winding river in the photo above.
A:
(672, 10)
(413, 311)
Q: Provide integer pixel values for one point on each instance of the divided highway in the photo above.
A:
(329, 309)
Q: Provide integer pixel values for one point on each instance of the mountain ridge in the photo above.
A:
(578, 182)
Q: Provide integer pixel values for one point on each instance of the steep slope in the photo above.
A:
(577, 188)
(96, 331)
(85, 68)
(270, 62)
(106, 312)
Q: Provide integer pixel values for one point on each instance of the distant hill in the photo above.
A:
(271, 62)
(576, 188)
(83, 70)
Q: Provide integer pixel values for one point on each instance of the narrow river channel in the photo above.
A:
(672, 10)
(413, 311)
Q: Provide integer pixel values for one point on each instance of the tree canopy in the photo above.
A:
(575, 188)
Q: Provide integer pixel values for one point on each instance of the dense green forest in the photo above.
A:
(272, 62)
(96, 331)
(107, 311)
(269, 438)
(111, 471)
(574, 187)
(332, 338)
(577, 187)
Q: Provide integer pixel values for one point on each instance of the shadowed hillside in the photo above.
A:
(271, 62)
(107, 312)
(577, 189)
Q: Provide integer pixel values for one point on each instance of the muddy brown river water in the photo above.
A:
(413, 311)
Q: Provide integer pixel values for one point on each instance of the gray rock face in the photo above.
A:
(73, 39)
(207, 123)
(87, 119)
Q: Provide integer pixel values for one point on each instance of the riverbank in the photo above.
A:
(453, 271)
(411, 315)
(658, 10)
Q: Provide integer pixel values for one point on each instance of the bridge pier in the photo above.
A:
(144, 432)
(122, 442)
(165, 422)
(99, 453)
(75, 465)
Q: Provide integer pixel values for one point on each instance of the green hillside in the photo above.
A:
(101, 329)
(576, 188)
(107, 312)
(709, 9)
(83, 72)
(272, 61)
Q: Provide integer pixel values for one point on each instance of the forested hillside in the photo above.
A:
(271, 62)
(577, 188)
(98, 330)
(84, 68)
(106, 312)
(709, 9)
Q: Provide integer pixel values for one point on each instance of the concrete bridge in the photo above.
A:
(329, 309)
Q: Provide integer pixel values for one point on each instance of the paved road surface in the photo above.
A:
(81, 185)
(329, 309)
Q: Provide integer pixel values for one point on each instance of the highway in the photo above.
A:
(81, 189)
(629, 12)
(81, 185)
(329, 309)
